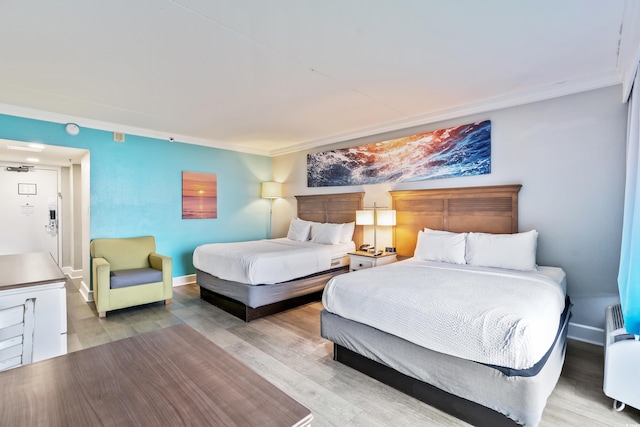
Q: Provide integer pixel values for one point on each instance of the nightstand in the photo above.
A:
(359, 260)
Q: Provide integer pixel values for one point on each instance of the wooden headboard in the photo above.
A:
(491, 209)
(334, 208)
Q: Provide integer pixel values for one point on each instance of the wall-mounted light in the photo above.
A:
(271, 190)
(72, 129)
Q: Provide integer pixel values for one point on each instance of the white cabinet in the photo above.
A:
(33, 309)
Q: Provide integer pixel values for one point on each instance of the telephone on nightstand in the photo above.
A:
(370, 249)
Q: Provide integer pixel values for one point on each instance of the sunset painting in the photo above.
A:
(457, 151)
(199, 195)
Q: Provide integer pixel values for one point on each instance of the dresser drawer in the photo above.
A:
(357, 263)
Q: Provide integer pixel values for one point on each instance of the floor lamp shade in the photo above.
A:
(271, 190)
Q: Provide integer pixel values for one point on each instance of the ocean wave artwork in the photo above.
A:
(453, 152)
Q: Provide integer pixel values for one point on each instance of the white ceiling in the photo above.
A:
(271, 77)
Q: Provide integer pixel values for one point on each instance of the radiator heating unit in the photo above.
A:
(622, 353)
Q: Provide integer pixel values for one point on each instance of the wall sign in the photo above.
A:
(27, 189)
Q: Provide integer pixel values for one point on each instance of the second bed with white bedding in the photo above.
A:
(267, 261)
(487, 315)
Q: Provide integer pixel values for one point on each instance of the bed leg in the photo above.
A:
(335, 351)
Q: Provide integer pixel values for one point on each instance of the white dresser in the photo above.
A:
(33, 309)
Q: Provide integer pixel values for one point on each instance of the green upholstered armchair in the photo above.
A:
(128, 272)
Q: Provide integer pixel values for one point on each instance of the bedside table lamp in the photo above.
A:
(387, 217)
(367, 218)
(271, 190)
(375, 217)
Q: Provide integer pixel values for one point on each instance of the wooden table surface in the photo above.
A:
(168, 377)
(30, 269)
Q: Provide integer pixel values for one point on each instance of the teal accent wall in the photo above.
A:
(136, 187)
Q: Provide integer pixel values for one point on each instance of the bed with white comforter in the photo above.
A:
(492, 316)
(267, 261)
(494, 337)
(252, 279)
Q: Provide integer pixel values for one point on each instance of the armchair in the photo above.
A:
(129, 272)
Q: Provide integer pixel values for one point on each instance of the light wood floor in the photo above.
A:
(287, 350)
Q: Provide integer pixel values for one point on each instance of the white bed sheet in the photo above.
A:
(266, 261)
(493, 316)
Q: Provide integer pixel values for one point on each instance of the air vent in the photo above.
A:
(616, 316)
(118, 137)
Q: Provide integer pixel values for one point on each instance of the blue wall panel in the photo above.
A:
(136, 187)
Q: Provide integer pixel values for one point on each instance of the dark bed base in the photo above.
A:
(463, 409)
(247, 313)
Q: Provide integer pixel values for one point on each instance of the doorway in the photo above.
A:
(30, 217)
(71, 200)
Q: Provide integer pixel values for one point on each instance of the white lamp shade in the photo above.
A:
(364, 217)
(271, 190)
(387, 217)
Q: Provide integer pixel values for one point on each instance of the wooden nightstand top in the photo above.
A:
(367, 254)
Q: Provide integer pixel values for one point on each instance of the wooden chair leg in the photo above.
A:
(167, 301)
(102, 314)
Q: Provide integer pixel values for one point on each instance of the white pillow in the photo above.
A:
(299, 230)
(326, 233)
(511, 251)
(444, 246)
(346, 234)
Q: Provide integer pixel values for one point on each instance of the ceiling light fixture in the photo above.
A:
(36, 148)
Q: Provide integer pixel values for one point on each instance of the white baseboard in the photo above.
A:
(86, 293)
(586, 333)
(184, 280)
(72, 274)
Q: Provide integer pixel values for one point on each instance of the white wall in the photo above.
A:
(569, 155)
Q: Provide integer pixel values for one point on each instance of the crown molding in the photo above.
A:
(629, 49)
(482, 107)
(30, 113)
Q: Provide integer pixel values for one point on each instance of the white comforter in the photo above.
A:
(493, 316)
(264, 261)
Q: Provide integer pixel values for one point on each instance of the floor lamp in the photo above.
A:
(271, 190)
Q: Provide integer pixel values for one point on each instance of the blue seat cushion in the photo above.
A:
(134, 276)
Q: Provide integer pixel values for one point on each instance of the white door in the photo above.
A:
(30, 211)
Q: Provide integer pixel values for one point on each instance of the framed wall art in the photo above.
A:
(452, 152)
(199, 195)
